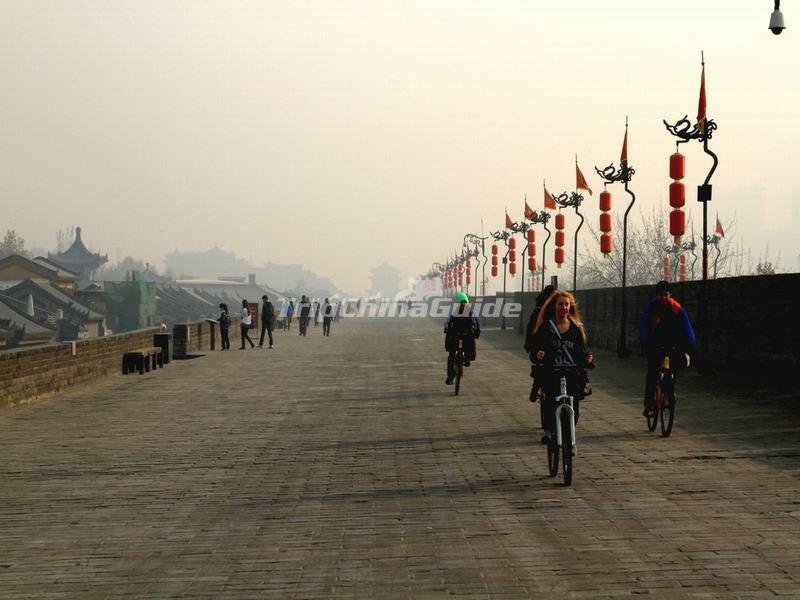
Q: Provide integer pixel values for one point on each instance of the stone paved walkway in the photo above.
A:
(343, 467)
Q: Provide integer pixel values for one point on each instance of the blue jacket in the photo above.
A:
(666, 324)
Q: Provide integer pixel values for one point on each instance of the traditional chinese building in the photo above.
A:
(78, 258)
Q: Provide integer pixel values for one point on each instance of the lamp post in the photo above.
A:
(613, 175)
(479, 241)
(702, 131)
(573, 200)
(521, 227)
(542, 217)
(676, 250)
(497, 236)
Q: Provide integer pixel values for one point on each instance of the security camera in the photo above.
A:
(776, 25)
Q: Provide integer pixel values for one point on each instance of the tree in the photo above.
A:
(12, 244)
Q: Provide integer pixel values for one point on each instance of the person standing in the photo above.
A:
(316, 313)
(224, 323)
(267, 315)
(305, 311)
(247, 323)
(327, 317)
(289, 314)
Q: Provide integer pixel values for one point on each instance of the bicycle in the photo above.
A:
(564, 442)
(459, 364)
(664, 407)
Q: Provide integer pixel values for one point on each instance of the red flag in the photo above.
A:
(623, 159)
(509, 222)
(701, 104)
(549, 201)
(580, 180)
(719, 228)
(528, 211)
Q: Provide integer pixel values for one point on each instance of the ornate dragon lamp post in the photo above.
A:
(613, 175)
(702, 131)
(497, 236)
(573, 200)
(480, 242)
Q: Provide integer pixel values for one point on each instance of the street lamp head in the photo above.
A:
(776, 25)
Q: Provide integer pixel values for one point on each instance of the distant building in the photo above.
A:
(16, 268)
(385, 280)
(78, 259)
(130, 304)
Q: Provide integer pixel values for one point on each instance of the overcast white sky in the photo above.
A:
(341, 133)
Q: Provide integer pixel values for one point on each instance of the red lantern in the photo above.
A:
(494, 270)
(512, 268)
(512, 256)
(605, 243)
(512, 243)
(531, 235)
(677, 194)
(469, 279)
(469, 265)
(559, 256)
(605, 201)
(559, 221)
(605, 222)
(460, 280)
(532, 266)
(494, 261)
(532, 250)
(666, 262)
(677, 166)
(494, 249)
(559, 238)
(683, 259)
(682, 273)
(677, 223)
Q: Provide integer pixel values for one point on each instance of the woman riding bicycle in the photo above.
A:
(461, 325)
(560, 341)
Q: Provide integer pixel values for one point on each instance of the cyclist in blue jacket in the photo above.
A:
(461, 324)
(664, 329)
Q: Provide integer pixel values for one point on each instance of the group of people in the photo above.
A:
(268, 320)
(556, 341)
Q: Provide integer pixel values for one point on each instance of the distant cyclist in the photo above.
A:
(664, 329)
(461, 324)
(560, 341)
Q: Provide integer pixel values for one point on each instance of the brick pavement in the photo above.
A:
(343, 467)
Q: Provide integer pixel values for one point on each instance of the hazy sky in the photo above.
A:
(341, 133)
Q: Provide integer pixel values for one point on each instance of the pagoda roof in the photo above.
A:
(33, 330)
(77, 255)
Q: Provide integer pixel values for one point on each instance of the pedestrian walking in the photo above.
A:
(267, 316)
(327, 317)
(224, 323)
(316, 313)
(247, 324)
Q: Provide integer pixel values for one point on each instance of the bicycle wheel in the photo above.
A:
(552, 457)
(652, 419)
(566, 449)
(459, 370)
(668, 409)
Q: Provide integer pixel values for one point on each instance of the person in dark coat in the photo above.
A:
(560, 341)
(461, 325)
(224, 324)
(267, 317)
(305, 311)
(530, 332)
(664, 329)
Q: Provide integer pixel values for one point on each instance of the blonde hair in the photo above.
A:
(548, 312)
